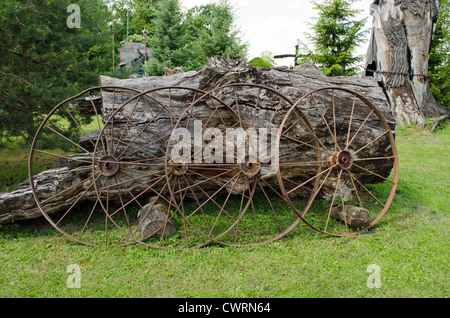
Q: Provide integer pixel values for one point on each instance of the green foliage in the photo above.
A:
(335, 70)
(43, 61)
(215, 34)
(335, 36)
(259, 62)
(266, 60)
(439, 62)
(186, 40)
(268, 56)
(169, 36)
(132, 17)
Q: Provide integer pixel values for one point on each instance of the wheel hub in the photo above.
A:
(251, 167)
(109, 166)
(343, 158)
(177, 169)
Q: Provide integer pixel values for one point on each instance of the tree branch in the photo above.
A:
(435, 122)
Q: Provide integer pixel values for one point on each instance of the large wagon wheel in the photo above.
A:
(66, 140)
(341, 202)
(220, 166)
(130, 155)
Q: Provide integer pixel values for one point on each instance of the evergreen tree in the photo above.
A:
(216, 34)
(169, 38)
(335, 37)
(187, 40)
(43, 61)
(439, 62)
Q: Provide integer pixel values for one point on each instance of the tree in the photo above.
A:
(398, 57)
(169, 38)
(44, 61)
(335, 37)
(132, 17)
(439, 63)
(188, 39)
(216, 34)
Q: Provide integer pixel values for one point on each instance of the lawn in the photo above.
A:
(409, 248)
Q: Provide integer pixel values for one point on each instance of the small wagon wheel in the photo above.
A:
(65, 141)
(220, 166)
(342, 168)
(131, 153)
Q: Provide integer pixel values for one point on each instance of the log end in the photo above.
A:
(355, 217)
(155, 221)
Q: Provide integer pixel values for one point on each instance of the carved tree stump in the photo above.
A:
(398, 57)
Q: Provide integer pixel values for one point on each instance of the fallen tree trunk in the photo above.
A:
(66, 183)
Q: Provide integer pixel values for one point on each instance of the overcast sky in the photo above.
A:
(275, 25)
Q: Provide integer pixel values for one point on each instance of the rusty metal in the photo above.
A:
(208, 201)
(339, 162)
(62, 221)
(224, 194)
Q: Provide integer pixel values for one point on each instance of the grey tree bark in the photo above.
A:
(398, 56)
(65, 179)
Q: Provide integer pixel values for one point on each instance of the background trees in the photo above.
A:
(440, 57)
(335, 37)
(187, 39)
(43, 61)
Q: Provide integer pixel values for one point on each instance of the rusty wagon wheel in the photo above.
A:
(341, 202)
(219, 163)
(130, 155)
(65, 142)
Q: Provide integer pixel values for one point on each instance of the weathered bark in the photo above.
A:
(398, 57)
(69, 176)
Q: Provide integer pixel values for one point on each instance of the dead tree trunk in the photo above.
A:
(398, 57)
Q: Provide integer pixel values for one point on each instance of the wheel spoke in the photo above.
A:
(350, 123)
(326, 122)
(67, 139)
(114, 149)
(270, 203)
(311, 131)
(359, 129)
(98, 120)
(316, 176)
(306, 144)
(371, 194)
(77, 200)
(311, 200)
(354, 187)
(222, 209)
(386, 132)
(373, 173)
(334, 197)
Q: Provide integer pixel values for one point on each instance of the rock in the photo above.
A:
(154, 222)
(356, 217)
(308, 68)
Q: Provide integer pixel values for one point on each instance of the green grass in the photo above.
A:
(14, 163)
(410, 244)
